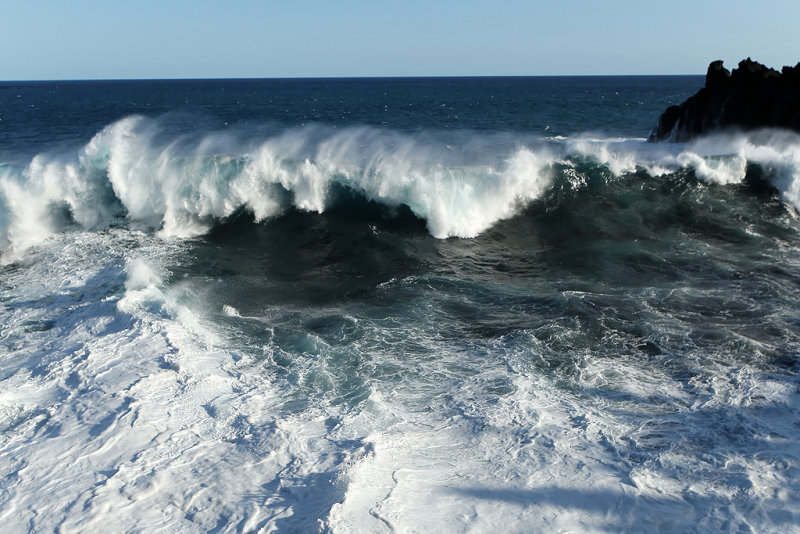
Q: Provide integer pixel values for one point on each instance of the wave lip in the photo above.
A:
(180, 186)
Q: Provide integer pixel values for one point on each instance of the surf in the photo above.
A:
(460, 185)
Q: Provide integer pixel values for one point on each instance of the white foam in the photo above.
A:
(130, 409)
(455, 200)
(727, 170)
(180, 186)
(133, 407)
(122, 402)
(230, 311)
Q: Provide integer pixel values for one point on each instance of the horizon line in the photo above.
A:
(377, 77)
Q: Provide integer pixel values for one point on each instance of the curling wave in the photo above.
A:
(134, 172)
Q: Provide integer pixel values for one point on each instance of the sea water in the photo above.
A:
(377, 305)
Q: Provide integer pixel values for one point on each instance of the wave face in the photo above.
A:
(353, 309)
(459, 184)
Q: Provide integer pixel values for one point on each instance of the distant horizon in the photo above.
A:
(398, 77)
(727, 64)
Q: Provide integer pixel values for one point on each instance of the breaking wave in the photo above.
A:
(135, 172)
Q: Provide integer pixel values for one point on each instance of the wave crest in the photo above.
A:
(180, 185)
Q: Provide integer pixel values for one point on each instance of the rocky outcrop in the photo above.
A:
(752, 96)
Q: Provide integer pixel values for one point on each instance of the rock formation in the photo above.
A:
(752, 96)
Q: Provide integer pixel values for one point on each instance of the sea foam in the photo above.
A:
(181, 185)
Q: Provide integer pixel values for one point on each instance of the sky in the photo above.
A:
(112, 39)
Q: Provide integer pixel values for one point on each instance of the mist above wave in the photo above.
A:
(134, 171)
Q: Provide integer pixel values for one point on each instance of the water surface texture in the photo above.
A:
(393, 305)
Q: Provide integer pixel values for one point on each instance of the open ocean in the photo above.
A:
(393, 305)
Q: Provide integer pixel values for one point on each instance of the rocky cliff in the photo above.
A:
(752, 96)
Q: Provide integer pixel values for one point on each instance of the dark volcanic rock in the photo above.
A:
(752, 96)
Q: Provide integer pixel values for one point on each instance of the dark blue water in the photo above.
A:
(40, 114)
(358, 305)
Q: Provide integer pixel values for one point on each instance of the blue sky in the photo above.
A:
(87, 39)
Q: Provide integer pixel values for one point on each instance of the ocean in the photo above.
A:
(393, 305)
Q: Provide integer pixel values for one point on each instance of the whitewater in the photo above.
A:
(343, 316)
